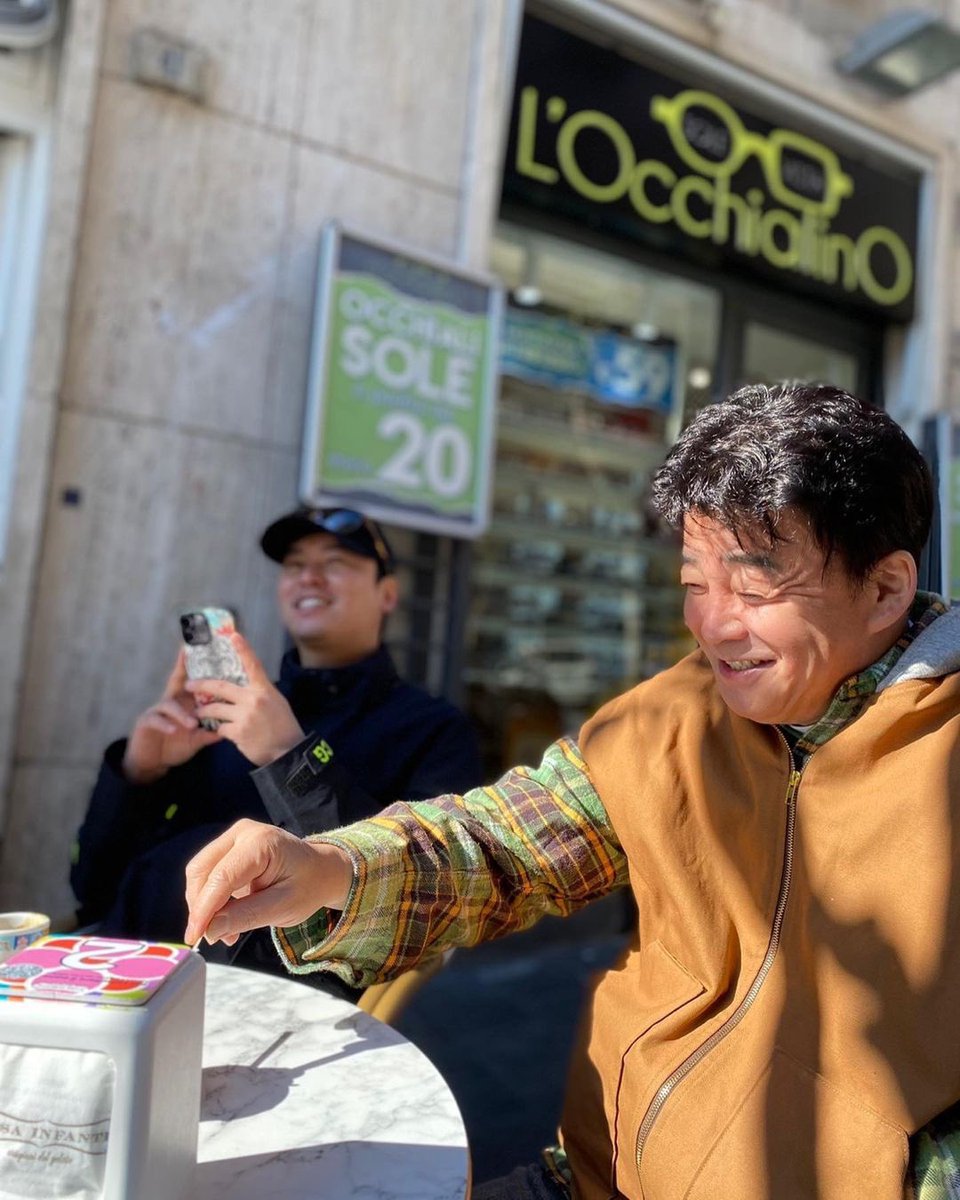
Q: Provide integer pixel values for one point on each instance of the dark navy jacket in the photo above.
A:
(390, 741)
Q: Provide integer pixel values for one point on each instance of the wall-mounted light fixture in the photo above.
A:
(645, 331)
(528, 292)
(527, 295)
(903, 52)
(26, 24)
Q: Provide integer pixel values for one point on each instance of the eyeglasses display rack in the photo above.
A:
(575, 592)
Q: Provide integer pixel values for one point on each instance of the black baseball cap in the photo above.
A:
(353, 531)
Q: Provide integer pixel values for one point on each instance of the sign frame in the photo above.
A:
(446, 275)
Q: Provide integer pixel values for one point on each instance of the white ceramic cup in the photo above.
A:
(19, 929)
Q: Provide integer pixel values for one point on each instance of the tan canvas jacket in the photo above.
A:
(783, 1021)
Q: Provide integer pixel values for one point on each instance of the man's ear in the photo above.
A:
(389, 594)
(894, 581)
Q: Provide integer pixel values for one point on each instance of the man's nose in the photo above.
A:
(721, 619)
(311, 570)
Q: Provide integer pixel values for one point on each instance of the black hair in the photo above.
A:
(811, 449)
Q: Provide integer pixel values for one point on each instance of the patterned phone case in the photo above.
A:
(217, 659)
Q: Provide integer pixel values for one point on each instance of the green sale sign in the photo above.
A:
(400, 412)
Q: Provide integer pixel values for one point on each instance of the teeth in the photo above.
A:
(312, 602)
(744, 664)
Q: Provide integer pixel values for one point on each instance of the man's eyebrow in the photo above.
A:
(754, 558)
(747, 558)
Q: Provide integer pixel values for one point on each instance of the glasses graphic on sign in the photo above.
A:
(799, 172)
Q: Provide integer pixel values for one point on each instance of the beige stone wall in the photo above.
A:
(180, 406)
(65, 129)
(169, 373)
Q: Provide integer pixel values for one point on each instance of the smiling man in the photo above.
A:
(780, 626)
(336, 584)
(344, 734)
(784, 804)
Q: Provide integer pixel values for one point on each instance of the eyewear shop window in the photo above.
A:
(575, 592)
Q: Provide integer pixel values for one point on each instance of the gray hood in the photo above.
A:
(933, 653)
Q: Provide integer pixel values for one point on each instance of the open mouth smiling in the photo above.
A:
(308, 603)
(742, 666)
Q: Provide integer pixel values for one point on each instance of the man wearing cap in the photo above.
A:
(343, 733)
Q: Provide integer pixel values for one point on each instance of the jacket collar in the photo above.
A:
(935, 649)
(376, 670)
(849, 700)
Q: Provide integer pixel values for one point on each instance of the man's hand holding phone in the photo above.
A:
(254, 716)
(167, 734)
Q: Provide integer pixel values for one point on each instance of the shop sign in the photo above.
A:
(401, 398)
(605, 139)
(609, 366)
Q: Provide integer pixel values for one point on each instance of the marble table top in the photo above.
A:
(306, 1096)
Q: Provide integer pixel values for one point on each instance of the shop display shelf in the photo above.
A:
(515, 480)
(494, 677)
(545, 634)
(511, 529)
(506, 575)
(592, 447)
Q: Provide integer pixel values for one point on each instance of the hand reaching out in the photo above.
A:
(256, 874)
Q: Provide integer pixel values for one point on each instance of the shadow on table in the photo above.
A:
(338, 1171)
(228, 1088)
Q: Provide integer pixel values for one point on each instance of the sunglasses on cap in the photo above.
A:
(353, 530)
(346, 521)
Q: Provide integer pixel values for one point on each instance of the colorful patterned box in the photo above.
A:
(92, 970)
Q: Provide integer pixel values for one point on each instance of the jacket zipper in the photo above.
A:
(697, 1056)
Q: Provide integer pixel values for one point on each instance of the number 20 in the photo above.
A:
(440, 456)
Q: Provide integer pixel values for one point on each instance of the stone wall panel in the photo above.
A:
(165, 520)
(176, 284)
(397, 95)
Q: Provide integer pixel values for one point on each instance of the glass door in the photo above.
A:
(770, 354)
(768, 337)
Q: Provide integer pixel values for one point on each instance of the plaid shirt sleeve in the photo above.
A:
(935, 1159)
(459, 870)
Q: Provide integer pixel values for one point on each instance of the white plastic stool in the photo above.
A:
(156, 1048)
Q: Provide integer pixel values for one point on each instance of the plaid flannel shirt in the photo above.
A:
(459, 870)
(538, 841)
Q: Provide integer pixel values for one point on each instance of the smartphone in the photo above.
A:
(209, 652)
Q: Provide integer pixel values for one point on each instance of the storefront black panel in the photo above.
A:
(677, 166)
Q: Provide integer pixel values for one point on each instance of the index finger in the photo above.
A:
(213, 875)
(248, 660)
(177, 677)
